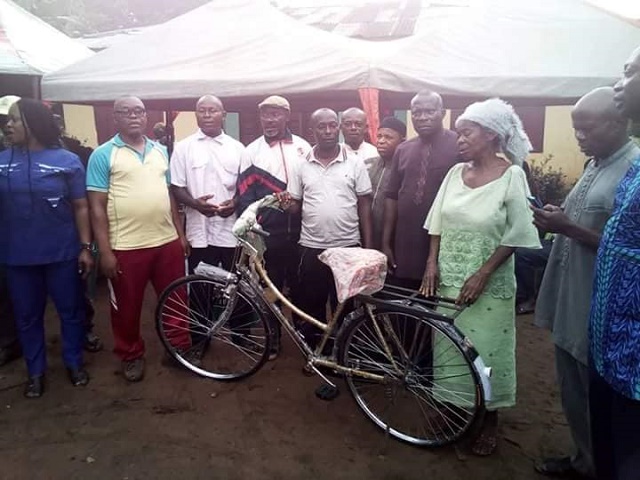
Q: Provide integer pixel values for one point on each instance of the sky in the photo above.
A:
(625, 8)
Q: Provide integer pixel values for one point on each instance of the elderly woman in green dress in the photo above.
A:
(480, 215)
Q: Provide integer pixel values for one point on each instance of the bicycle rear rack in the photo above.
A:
(410, 301)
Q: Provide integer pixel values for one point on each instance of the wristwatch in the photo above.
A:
(87, 246)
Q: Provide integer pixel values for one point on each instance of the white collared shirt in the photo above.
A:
(365, 151)
(329, 198)
(207, 166)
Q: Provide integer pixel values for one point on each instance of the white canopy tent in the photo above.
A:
(231, 47)
(30, 46)
(552, 49)
(543, 49)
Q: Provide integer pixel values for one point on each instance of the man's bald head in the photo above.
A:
(599, 126)
(599, 102)
(127, 101)
(427, 113)
(130, 117)
(353, 124)
(428, 95)
(210, 115)
(210, 99)
(325, 128)
(322, 114)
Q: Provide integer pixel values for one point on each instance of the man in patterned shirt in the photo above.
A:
(565, 292)
(614, 330)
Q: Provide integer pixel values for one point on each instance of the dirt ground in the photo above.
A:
(174, 425)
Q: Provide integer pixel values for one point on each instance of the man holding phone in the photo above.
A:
(565, 294)
(204, 172)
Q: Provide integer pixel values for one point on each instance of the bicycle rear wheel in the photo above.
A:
(432, 394)
(213, 334)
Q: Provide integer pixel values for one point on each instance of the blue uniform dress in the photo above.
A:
(39, 245)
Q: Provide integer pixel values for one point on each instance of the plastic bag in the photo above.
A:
(355, 270)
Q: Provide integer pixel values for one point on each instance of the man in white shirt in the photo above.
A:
(268, 164)
(334, 192)
(353, 123)
(204, 172)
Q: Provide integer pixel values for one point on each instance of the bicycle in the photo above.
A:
(409, 369)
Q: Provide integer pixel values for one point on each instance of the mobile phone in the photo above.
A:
(535, 202)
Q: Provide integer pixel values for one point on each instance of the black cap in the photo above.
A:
(394, 124)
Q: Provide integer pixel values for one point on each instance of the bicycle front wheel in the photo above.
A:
(431, 395)
(212, 333)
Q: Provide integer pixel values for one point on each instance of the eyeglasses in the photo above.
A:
(136, 112)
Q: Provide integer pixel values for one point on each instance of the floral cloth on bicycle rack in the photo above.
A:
(355, 270)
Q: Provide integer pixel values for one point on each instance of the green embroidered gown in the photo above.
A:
(472, 223)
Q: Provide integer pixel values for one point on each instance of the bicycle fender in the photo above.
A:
(485, 377)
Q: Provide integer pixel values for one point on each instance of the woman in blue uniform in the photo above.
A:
(45, 238)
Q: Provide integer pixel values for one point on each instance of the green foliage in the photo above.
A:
(548, 184)
(81, 17)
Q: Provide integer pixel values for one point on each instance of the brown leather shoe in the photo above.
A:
(133, 370)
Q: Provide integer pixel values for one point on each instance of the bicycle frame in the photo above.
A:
(250, 268)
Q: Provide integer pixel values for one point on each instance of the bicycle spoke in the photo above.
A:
(215, 325)
(433, 397)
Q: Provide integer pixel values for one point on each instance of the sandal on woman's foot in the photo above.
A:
(484, 445)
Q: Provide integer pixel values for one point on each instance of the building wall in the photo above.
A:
(80, 123)
(558, 133)
(560, 142)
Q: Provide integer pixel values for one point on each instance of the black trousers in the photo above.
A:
(417, 339)
(316, 287)
(217, 256)
(615, 431)
(527, 261)
(408, 283)
(281, 261)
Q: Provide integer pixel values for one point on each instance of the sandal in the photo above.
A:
(525, 308)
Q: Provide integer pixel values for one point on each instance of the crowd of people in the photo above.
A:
(448, 208)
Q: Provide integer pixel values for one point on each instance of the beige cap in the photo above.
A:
(275, 101)
(6, 102)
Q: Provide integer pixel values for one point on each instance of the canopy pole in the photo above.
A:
(35, 87)
(369, 97)
(169, 130)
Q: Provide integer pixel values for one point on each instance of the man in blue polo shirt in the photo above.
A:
(136, 226)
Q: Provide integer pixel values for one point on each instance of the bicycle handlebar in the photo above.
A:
(247, 221)
(257, 229)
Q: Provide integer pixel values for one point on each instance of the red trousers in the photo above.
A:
(160, 265)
